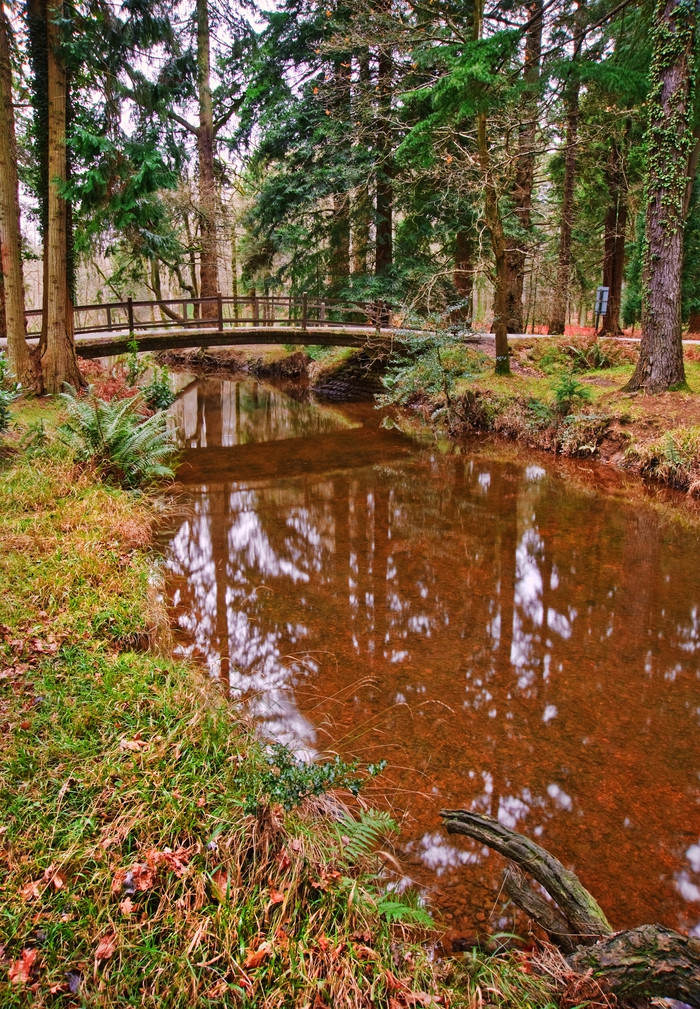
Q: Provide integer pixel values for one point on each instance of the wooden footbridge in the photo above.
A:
(103, 330)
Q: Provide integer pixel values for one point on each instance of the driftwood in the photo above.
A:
(638, 964)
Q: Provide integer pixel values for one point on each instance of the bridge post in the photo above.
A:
(304, 310)
(130, 313)
(322, 312)
(109, 316)
(380, 310)
(256, 307)
(220, 307)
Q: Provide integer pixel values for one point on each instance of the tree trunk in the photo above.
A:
(463, 274)
(208, 202)
(560, 304)
(58, 361)
(360, 231)
(614, 242)
(339, 260)
(524, 170)
(384, 222)
(11, 276)
(340, 241)
(694, 324)
(362, 206)
(498, 244)
(669, 144)
(642, 963)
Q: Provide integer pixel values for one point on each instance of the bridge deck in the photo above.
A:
(112, 344)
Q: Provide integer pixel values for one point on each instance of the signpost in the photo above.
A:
(601, 303)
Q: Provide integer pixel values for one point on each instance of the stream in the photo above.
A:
(508, 640)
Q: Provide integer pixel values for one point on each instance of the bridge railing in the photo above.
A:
(220, 313)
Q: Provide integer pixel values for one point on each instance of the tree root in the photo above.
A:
(635, 965)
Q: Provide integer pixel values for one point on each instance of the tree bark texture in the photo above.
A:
(361, 204)
(694, 324)
(384, 219)
(557, 323)
(11, 276)
(208, 201)
(339, 260)
(635, 965)
(494, 223)
(463, 274)
(670, 145)
(524, 169)
(58, 361)
(614, 240)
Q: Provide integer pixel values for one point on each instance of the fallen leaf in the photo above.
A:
(283, 860)
(255, 957)
(201, 801)
(54, 879)
(219, 884)
(276, 896)
(216, 990)
(21, 969)
(134, 745)
(74, 978)
(106, 947)
(127, 905)
(31, 890)
(58, 989)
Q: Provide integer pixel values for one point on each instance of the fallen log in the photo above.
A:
(650, 961)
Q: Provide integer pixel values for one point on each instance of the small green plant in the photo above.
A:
(287, 780)
(591, 356)
(540, 414)
(116, 438)
(9, 391)
(35, 439)
(673, 459)
(569, 392)
(134, 366)
(430, 367)
(548, 355)
(158, 393)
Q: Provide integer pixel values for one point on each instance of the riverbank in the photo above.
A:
(155, 851)
(565, 396)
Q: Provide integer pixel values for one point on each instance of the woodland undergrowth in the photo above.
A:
(147, 859)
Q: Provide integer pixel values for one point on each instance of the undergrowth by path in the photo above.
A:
(142, 861)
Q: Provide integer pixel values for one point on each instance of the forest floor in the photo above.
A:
(154, 852)
(565, 395)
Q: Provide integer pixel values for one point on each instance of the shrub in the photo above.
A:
(430, 368)
(134, 367)
(288, 780)
(158, 393)
(115, 437)
(674, 459)
(9, 391)
(568, 392)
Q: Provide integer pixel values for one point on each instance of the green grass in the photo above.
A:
(143, 861)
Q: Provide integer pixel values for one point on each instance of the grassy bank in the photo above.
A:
(154, 852)
(565, 396)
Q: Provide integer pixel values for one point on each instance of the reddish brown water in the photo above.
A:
(510, 642)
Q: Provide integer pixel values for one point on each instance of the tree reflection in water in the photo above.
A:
(510, 643)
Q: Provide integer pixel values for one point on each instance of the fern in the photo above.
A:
(394, 910)
(115, 437)
(360, 836)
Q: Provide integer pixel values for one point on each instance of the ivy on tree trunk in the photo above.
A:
(669, 146)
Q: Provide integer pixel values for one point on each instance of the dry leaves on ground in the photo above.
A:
(21, 969)
(106, 947)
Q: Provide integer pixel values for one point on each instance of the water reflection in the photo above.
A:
(511, 644)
